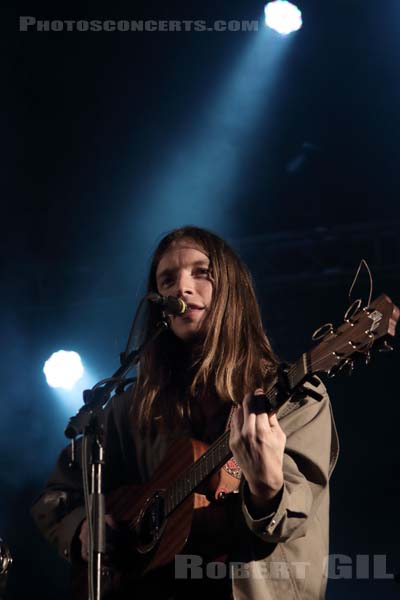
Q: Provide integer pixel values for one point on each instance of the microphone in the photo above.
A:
(171, 304)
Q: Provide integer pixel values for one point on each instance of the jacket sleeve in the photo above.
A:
(59, 510)
(310, 456)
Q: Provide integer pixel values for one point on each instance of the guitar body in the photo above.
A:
(155, 538)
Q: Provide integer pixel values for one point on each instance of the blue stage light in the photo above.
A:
(63, 369)
(282, 16)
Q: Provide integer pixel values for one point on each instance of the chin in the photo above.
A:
(193, 331)
(188, 335)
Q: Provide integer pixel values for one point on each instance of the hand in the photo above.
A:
(258, 444)
(84, 535)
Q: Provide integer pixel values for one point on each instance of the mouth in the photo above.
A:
(192, 308)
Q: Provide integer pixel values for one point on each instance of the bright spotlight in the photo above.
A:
(282, 16)
(63, 369)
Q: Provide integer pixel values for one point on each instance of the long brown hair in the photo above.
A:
(234, 357)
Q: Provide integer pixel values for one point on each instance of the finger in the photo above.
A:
(258, 407)
(257, 404)
(83, 532)
(233, 437)
(273, 420)
(109, 519)
(249, 415)
(236, 425)
(83, 537)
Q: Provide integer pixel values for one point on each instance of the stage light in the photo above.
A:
(63, 369)
(282, 16)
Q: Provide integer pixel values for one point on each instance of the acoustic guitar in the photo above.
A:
(159, 515)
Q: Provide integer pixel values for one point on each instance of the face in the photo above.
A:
(183, 271)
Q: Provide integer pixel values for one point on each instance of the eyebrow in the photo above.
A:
(171, 271)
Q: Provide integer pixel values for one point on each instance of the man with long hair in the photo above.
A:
(202, 376)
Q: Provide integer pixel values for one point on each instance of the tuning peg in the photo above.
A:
(350, 366)
(333, 371)
(386, 347)
(347, 366)
(323, 331)
(367, 357)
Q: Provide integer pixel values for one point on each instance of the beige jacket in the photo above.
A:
(279, 557)
(287, 556)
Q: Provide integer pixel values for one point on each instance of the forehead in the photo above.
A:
(181, 253)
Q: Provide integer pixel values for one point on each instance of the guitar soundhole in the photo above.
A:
(151, 523)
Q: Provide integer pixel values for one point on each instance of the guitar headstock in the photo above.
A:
(369, 326)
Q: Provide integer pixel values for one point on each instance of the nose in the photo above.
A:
(183, 284)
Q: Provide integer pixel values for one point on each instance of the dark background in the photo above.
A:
(291, 153)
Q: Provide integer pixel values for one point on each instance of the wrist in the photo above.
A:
(265, 491)
(263, 501)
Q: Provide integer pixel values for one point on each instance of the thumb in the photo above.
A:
(237, 418)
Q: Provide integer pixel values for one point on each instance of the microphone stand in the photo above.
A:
(87, 422)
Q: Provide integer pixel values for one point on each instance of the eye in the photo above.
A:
(166, 281)
(202, 272)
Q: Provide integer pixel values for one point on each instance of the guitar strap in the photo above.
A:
(232, 467)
